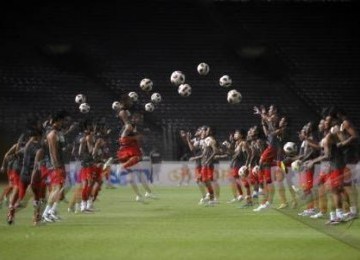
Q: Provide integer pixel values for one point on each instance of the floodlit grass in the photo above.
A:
(175, 227)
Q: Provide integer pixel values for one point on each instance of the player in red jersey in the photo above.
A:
(129, 152)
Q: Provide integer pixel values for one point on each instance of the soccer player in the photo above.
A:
(55, 142)
(337, 164)
(129, 153)
(195, 144)
(240, 157)
(349, 145)
(207, 164)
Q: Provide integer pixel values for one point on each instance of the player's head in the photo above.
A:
(283, 122)
(272, 110)
(321, 125)
(58, 118)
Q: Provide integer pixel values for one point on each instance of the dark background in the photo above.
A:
(300, 55)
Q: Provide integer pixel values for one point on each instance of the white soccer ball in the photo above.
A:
(133, 96)
(146, 85)
(226, 144)
(177, 78)
(84, 108)
(184, 90)
(296, 165)
(234, 97)
(149, 107)
(243, 171)
(255, 170)
(80, 98)
(209, 141)
(290, 148)
(116, 105)
(203, 69)
(225, 81)
(156, 98)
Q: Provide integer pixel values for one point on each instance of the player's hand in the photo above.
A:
(2, 170)
(191, 159)
(256, 111)
(339, 144)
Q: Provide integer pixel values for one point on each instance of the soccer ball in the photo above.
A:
(184, 90)
(80, 98)
(116, 105)
(209, 141)
(133, 96)
(177, 78)
(290, 148)
(146, 85)
(226, 144)
(243, 171)
(295, 165)
(256, 170)
(234, 97)
(203, 69)
(84, 108)
(225, 81)
(149, 107)
(156, 98)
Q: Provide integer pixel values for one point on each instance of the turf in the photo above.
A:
(175, 227)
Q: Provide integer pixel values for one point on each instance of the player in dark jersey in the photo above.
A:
(58, 174)
(195, 145)
(337, 165)
(349, 144)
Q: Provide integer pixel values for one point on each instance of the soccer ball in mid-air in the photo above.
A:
(290, 148)
(255, 170)
(156, 98)
(146, 85)
(225, 81)
(296, 165)
(203, 69)
(177, 78)
(84, 108)
(133, 96)
(234, 96)
(80, 98)
(116, 105)
(209, 141)
(243, 171)
(149, 107)
(184, 90)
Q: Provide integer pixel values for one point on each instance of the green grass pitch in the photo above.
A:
(175, 227)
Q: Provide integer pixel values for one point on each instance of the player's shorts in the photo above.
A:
(336, 178)
(260, 176)
(267, 175)
(58, 176)
(125, 153)
(253, 178)
(97, 177)
(87, 173)
(207, 174)
(234, 172)
(198, 173)
(14, 178)
(307, 180)
(268, 155)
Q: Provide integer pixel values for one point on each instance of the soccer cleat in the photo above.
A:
(240, 198)
(349, 216)
(283, 206)
(232, 201)
(10, 216)
(333, 222)
(139, 199)
(54, 217)
(317, 215)
(47, 218)
(307, 213)
(210, 203)
(254, 195)
(203, 201)
(149, 195)
(262, 207)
